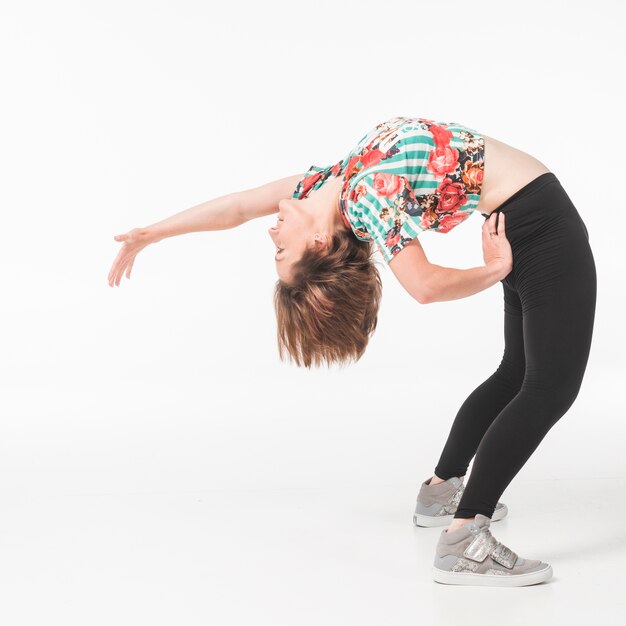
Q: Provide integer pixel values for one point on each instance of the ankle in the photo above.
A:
(435, 480)
(458, 522)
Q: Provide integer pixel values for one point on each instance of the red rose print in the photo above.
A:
(309, 182)
(441, 135)
(472, 176)
(352, 167)
(371, 157)
(443, 160)
(388, 184)
(391, 241)
(428, 219)
(448, 222)
(359, 191)
(452, 196)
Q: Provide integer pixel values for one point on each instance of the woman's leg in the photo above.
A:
(555, 276)
(485, 403)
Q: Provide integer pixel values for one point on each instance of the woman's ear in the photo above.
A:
(321, 241)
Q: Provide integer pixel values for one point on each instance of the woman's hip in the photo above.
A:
(549, 240)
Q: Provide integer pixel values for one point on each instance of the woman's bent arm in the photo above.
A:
(445, 283)
(448, 283)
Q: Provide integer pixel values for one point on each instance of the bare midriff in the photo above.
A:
(506, 170)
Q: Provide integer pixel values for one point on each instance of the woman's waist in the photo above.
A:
(506, 171)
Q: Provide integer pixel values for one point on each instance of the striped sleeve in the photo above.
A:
(313, 179)
(384, 203)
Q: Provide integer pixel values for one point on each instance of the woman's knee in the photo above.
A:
(555, 395)
(510, 375)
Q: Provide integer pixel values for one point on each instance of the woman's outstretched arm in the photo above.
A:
(217, 214)
(220, 213)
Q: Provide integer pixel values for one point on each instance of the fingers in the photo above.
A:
(495, 225)
(118, 276)
(498, 223)
(489, 225)
(117, 270)
(487, 229)
(119, 260)
(120, 272)
(113, 271)
(124, 259)
(125, 266)
(113, 275)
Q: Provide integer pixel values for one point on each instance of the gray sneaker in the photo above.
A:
(437, 504)
(470, 555)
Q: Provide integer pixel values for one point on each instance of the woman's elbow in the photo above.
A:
(425, 298)
(426, 294)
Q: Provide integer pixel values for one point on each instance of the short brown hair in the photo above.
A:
(329, 310)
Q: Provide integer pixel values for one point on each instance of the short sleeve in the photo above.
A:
(387, 208)
(313, 179)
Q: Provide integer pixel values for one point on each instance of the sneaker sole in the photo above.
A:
(430, 521)
(492, 580)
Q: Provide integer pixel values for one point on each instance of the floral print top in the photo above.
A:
(405, 176)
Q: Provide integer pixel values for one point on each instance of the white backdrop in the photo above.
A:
(118, 114)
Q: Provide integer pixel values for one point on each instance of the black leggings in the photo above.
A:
(549, 308)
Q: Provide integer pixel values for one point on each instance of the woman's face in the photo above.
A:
(302, 222)
(294, 227)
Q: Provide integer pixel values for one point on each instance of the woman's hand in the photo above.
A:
(134, 241)
(496, 247)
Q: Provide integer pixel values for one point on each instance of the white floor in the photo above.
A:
(323, 557)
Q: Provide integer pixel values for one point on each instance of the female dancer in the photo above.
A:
(407, 175)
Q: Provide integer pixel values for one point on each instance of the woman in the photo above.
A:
(405, 176)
